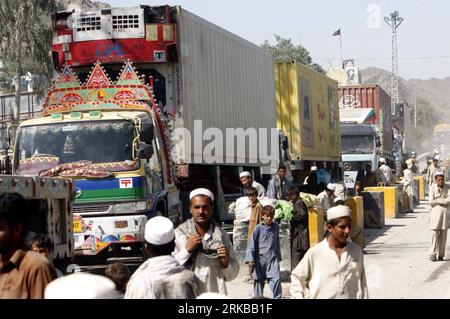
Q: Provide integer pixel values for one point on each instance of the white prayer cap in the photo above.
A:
(438, 173)
(244, 174)
(159, 231)
(338, 199)
(267, 201)
(338, 212)
(313, 168)
(331, 187)
(81, 286)
(436, 157)
(212, 295)
(201, 191)
(382, 160)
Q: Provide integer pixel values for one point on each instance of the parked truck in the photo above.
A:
(366, 128)
(151, 103)
(49, 205)
(308, 114)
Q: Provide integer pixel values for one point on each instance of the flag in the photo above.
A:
(337, 32)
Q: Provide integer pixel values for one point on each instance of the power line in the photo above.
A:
(388, 59)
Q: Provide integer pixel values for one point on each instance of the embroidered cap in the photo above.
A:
(338, 212)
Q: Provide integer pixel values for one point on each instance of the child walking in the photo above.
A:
(263, 254)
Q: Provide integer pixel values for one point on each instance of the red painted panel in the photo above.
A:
(109, 51)
(370, 96)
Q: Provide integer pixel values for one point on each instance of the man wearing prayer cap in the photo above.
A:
(201, 245)
(439, 223)
(81, 286)
(338, 201)
(386, 170)
(327, 197)
(247, 181)
(161, 276)
(334, 268)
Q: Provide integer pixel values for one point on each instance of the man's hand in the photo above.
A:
(251, 267)
(222, 251)
(193, 242)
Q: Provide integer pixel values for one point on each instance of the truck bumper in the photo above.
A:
(94, 234)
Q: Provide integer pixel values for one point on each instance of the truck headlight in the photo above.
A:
(131, 207)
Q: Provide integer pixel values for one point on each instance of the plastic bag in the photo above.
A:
(310, 200)
(241, 209)
(283, 210)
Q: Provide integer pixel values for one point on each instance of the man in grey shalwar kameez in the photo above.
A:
(201, 245)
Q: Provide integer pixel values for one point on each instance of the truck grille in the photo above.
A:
(91, 209)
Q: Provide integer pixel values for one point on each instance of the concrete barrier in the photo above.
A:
(421, 189)
(373, 203)
(391, 203)
(315, 225)
(240, 238)
(285, 247)
(357, 206)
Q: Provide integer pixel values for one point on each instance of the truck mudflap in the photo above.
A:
(93, 235)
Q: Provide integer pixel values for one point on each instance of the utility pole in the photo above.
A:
(394, 21)
(415, 113)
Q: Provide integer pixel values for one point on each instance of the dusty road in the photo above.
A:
(396, 262)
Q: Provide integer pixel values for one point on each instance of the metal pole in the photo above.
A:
(415, 113)
(342, 56)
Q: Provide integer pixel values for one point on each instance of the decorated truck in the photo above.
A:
(50, 203)
(131, 116)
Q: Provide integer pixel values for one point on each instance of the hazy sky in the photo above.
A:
(423, 46)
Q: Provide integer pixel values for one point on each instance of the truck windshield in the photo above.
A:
(358, 144)
(98, 142)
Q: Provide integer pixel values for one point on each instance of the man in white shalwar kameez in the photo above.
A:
(201, 245)
(334, 268)
(387, 171)
(440, 201)
(161, 276)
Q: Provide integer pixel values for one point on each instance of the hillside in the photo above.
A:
(64, 4)
(432, 97)
(434, 91)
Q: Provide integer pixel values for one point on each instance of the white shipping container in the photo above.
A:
(224, 81)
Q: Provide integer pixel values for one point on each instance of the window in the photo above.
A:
(125, 21)
(88, 24)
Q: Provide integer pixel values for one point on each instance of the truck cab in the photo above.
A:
(114, 149)
(360, 144)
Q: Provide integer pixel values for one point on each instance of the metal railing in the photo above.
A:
(30, 107)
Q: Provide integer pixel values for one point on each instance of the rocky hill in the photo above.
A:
(432, 97)
(65, 4)
(434, 91)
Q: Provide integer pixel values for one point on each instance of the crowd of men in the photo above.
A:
(198, 258)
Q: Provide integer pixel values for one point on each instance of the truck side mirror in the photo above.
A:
(378, 142)
(146, 130)
(285, 143)
(145, 151)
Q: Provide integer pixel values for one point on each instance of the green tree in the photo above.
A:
(25, 42)
(284, 50)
